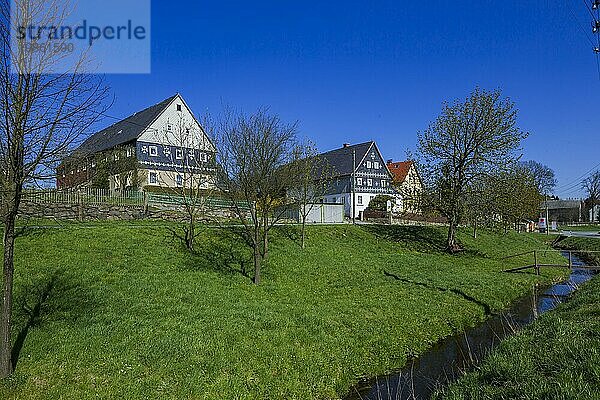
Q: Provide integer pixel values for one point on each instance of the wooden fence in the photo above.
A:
(89, 196)
(85, 196)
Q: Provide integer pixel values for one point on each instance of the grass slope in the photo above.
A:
(557, 357)
(121, 311)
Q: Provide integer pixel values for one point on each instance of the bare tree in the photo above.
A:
(313, 175)
(468, 140)
(192, 178)
(591, 185)
(253, 151)
(43, 113)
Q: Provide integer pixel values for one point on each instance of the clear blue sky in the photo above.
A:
(354, 71)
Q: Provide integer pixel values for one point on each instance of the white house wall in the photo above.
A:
(157, 131)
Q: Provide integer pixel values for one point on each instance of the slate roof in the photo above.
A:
(340, 160)
(124, 131)
(400, 170)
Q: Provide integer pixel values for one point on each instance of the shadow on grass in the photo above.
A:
(220, 250)
(418, 238)
(58, 297)
(486, 308)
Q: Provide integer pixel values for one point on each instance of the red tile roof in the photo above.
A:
(399, 170)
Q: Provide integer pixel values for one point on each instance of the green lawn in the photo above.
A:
(124, 312)
(557, 357)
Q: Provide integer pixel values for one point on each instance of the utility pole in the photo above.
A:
(547, 221)
(353, 186)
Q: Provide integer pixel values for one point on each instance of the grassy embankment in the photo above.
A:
(118, 311)
(557, 357)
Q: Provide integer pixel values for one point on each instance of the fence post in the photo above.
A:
(535, 260)
(80, 206)
(570, 260)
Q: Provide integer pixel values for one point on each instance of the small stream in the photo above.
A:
(449, 358)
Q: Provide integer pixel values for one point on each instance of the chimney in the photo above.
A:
(346, 145)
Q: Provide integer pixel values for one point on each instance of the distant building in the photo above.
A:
(409, 184)
(359, 173)
(563, 211)
(163, 141)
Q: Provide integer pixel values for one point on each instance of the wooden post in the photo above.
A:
(570, 260)
(535, 260)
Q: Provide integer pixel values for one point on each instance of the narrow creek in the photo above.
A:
(448, 359)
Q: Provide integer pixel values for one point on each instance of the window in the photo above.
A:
(369, 182)
(128, 152)
(179, 154)
(203, 157)
(383, 183)
(178, 107)
(359, 182)
(179, 180)
(153, 151)
(376, 165)
(153, 178)
(369, 164)
(359, 200)
(169, 127)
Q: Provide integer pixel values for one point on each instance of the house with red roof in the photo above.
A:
(408, 182)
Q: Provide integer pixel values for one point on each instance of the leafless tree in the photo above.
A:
(313, 175)
(468, 140)
(253, 152)
(591, 185)
(193, 178)
(43, 113)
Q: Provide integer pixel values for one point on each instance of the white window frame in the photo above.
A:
(359, 181)
(150, 174)
(203, 157)
(369, 164)
(153, 151)
(128, 152)
(179, 154)
(376, 164)
(359, 200)
(369, 182)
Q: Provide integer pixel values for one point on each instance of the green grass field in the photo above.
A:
(557, 357)
(114, 310)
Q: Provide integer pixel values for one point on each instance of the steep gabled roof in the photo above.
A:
(400, 170)
(124, 131)
(340, 160)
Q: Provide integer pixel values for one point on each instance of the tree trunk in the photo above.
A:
(7, 288)
(303, 237)
(257, 255)
(451, 245)
(189, 242)
(257, 262)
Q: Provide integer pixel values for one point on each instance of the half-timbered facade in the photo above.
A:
(359, 174)
(163, 146)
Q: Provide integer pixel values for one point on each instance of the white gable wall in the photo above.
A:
(157, 131)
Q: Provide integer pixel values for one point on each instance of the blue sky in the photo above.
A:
(357, 71)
